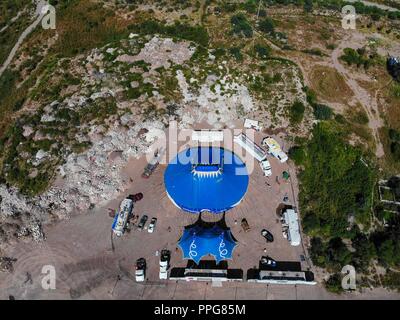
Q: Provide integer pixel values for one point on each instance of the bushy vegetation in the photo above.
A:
(18, 170)
(241, 26)
(296, 112)
(9, 10)
(332, 254)
(262, 51)
(335, 184)
(267, 26)
(359, 57)
(178, 30)
(83, 25)
(336, 199)
(235, 51)
(334, 283)
(394, 137)
(309, 5)
(297, 154)
(392, 280)
(322, 112)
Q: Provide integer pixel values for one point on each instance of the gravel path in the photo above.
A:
(22, 37)
(368, 102)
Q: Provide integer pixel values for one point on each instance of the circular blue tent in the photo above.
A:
(202, 239)
(206, 179)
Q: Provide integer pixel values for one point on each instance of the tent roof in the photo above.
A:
(202, 239)
(206, 179)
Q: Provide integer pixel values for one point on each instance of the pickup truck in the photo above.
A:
(140, 270)
(164, 264)
(266, 168)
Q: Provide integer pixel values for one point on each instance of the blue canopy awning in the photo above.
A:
(198, 241)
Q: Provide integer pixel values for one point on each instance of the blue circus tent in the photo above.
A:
(202, 239)
(206, 179)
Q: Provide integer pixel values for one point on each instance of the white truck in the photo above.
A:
(257, 152)
(274, 149)
(266, 167)
(164, 264)
(140, 270)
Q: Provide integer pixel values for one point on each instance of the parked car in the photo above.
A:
(164, 264)
(267, 235)
(142, 222)
(245, 225)
(140, 270)
(266, 167)
(152, 225)
(267, 261)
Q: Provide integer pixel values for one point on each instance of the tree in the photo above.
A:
(267, 26)
(308, 5)
(386, 252)
(338, 254)
(262, 51)
(317, 251)
(297, 154)
(296, 112)
(333, 179)
(365, 251)
(334, 283)
(241, 25)
(322, 112)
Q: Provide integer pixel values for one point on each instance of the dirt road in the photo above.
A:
(27, 31)
(368, 102)
(373, 4)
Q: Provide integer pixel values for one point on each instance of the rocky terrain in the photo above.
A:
(205, 89)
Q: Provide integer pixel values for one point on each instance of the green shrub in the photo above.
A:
(241, 26)
(334, 283)
(250, 6)
(322, 112)
(335, 182)
(297, 154)
(262, 51)
(296, 112)
(267, 26)
(308, 5)
(178, 30)
(235, 51)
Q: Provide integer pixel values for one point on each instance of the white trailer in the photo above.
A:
(121, 218)
(163, 270)
(257, 152)
(208, 136)
(252, 124)
(292, 221)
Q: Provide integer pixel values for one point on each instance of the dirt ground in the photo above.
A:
(87, 266)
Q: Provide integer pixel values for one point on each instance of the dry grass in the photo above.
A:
(329, 85)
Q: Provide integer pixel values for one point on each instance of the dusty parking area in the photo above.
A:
(259, 207)
(89, 260)
(88, 266)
